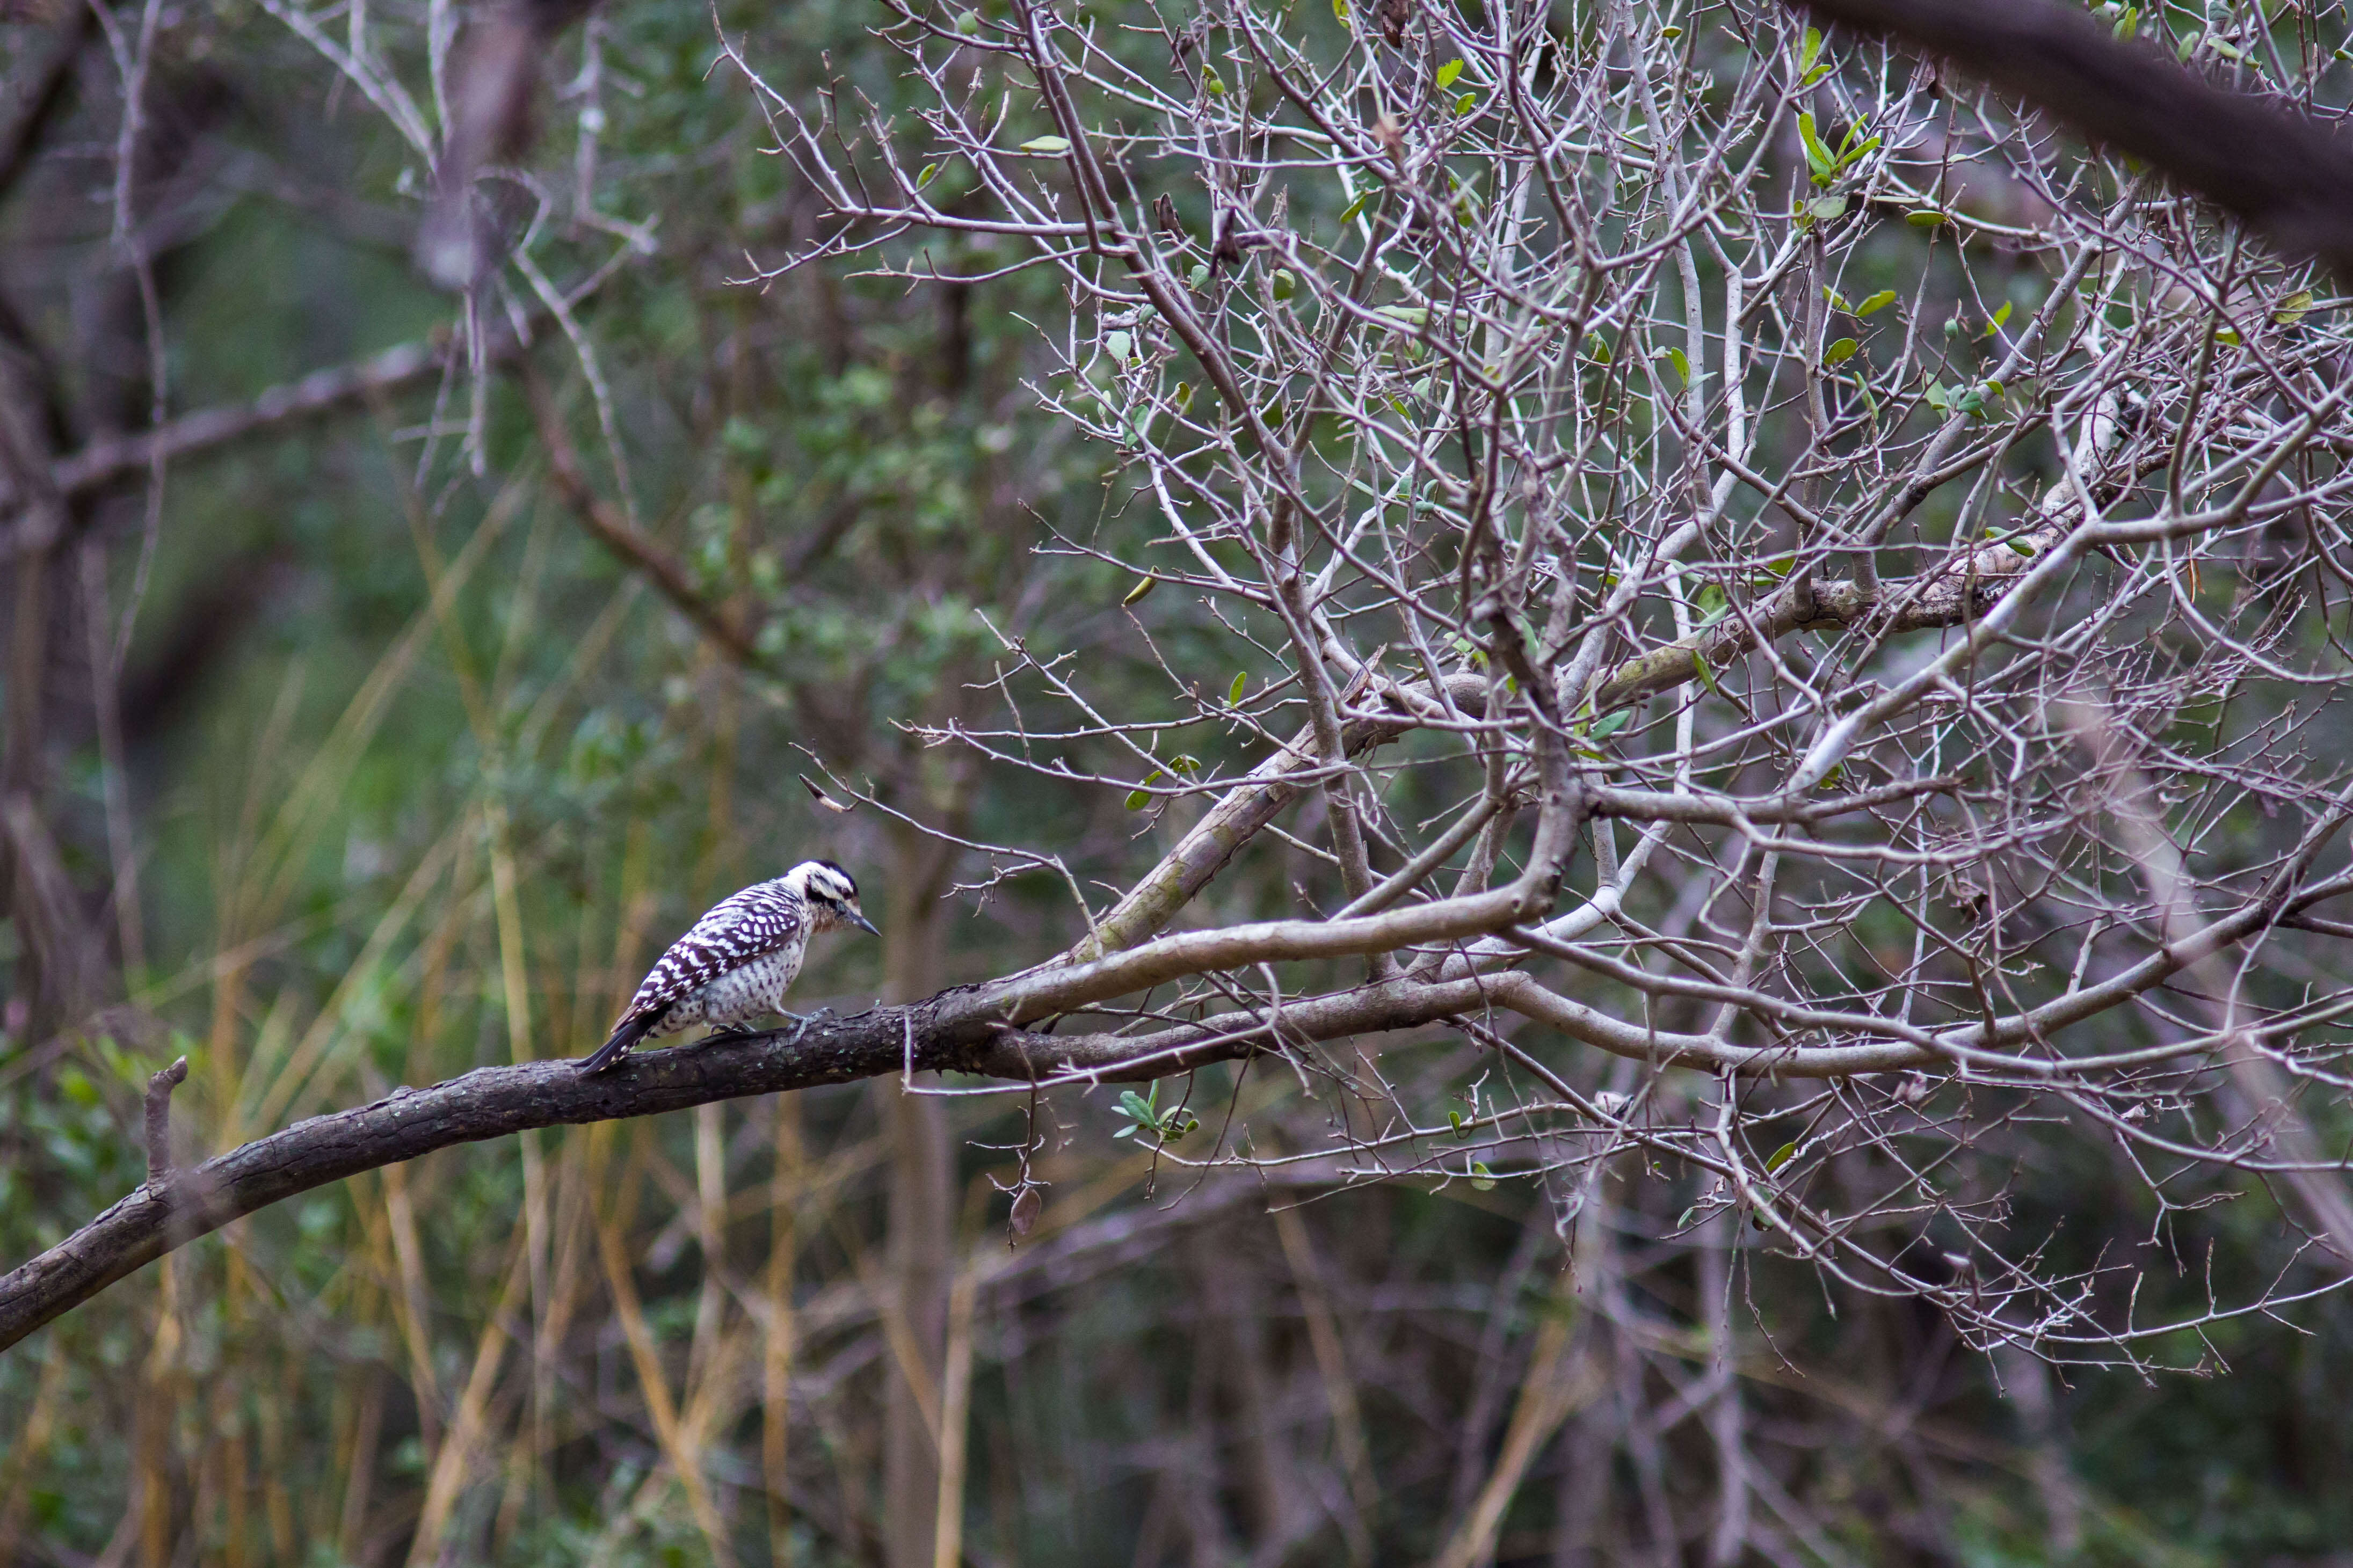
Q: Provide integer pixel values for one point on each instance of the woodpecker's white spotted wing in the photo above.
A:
(760, 919)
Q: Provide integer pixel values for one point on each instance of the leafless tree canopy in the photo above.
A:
(1906, 710)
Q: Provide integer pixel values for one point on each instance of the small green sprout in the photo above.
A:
(1145, 1116)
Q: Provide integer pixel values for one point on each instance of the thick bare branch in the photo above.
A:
(2284, 171)
(493, 1102)
(322, 392)
(951, 1031)
(1946, 597)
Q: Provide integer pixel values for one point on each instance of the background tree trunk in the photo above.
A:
(919, 1252)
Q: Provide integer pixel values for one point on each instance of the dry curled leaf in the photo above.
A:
(1027, 1205)
(824, 799)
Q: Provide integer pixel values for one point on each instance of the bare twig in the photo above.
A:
(159, 1085)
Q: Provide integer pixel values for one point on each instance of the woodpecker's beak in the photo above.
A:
(861, 922)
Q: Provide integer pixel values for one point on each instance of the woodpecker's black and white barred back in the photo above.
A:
(738, 960)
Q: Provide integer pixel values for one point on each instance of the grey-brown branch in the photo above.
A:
(2280, 169)
(491, 1103)
(958, 1030)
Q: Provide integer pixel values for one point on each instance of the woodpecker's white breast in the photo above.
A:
(742, 993)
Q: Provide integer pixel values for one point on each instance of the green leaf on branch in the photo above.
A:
(1820, 159)
(1812, 68)
(1139, 1111)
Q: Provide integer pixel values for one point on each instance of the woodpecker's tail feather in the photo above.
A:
(631, 1031)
